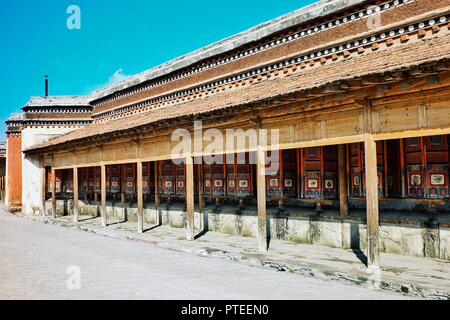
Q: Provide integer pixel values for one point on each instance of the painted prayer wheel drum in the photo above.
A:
(232, 177)
(319, 169)
(67, 181)
(113, 179)
(244, 176)
(91, 179)
(85, 180)
(97, 180)
(129, 178)
(427, 164)
(214, 176)
(231, 168)
(437, 157)
(167, 178)
(282, 175)
(216, 182)
(180, 176)
(358, 174)
(148, 184)
(58, 177)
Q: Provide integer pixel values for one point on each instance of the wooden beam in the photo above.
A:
(412, 133)
(103, 189)
(190, 204)
(343, 196)
(140, 197)
(76, 212)
(373, 226)
(53, 193)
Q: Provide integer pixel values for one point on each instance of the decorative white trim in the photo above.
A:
(305, 58)
(269, 44)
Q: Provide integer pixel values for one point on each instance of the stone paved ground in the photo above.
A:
(416, 277)
(35, 258)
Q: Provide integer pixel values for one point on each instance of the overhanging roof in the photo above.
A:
(58, 101)
(377, 62)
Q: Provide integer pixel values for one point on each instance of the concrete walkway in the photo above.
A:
(417, 277)
(43, 261)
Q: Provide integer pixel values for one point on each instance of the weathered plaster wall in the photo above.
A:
(31, 173)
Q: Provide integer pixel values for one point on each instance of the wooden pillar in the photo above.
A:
(261, 194)
(190, 199)
(281, 169)
(225, 176)
(76, 212)
(302, 175)
(343, 195)
(402, 168)
(385, 171)
(201, 198)
(373, 226)
(103, 189)
(53, 193)
(157, 195)
(424, 165)
(235, 166)
(297, 172)
(349, 168)
(43, 188)
(140, 198)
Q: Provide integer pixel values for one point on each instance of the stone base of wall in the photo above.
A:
(417, 235)
(404, 204)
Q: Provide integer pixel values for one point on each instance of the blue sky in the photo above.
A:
(117, 38)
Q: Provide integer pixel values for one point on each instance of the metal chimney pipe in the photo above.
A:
(46, 86)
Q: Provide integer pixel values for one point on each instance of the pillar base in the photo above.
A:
(263, 247)
(190, 236)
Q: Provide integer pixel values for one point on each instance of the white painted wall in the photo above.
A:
(31, 173)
